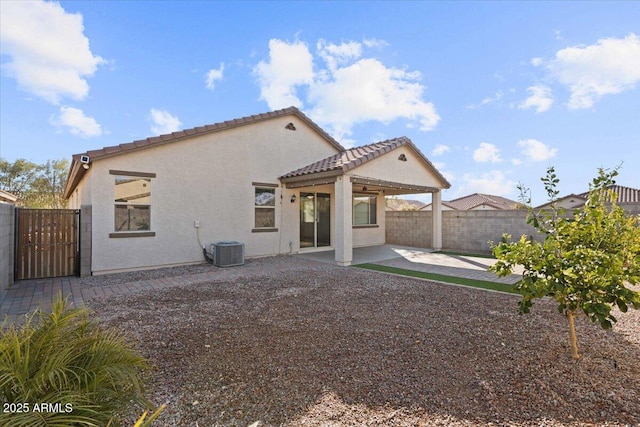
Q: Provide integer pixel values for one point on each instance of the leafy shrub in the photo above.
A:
(63, 358)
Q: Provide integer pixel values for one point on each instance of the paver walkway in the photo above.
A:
(27, 295)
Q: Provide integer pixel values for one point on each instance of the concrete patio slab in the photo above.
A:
(421, 259)
(370, 254)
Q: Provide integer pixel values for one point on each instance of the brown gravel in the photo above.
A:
(319, 345)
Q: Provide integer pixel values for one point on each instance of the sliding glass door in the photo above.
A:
(315, 220)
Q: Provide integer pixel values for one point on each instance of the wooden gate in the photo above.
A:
(47, 243)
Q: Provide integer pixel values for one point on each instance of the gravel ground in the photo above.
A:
(320, 345)
(134, 276)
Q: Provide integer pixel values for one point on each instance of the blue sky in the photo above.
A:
(492, 92)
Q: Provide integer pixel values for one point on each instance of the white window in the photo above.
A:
(132, 203)
(265, 207)
(364, 209)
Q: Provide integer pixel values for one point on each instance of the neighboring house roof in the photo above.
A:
(347, 160)
(403, 204)
(7, 197)
(625, 194)
(573, 199)
(76, 171)
(475, 200)
(444, 203)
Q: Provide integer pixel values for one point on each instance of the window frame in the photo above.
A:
(265, 188)
(371, 212)
(118, 175)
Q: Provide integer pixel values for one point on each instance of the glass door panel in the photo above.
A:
(323, 225)
(307, 220)
(315, 220)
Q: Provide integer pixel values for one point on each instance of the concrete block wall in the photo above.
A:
(470, 231)
(409, 228)
(7, 233)
(85, 240)
(464, 231)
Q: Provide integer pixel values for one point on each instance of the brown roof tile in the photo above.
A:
(354, 157)
(625, 194)
(477, 199)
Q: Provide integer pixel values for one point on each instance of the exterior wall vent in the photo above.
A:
(227, 253)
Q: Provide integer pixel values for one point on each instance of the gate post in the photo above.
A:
(85, 240)
(7, 242)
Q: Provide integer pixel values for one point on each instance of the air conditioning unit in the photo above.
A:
(227, 253)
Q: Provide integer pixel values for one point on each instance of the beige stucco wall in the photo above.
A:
(206, 179)
(81, 196)
(388, 168)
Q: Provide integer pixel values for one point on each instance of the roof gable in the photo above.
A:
(625, 194)
(478, 199)
(350, 159)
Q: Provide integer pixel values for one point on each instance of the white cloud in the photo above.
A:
(77, 122)
(537, 151)
(164, 122)
(50, 55)
(488, 100)
(541, 99)
(290, 65)
(213, 76)
(341, 54)
(493, 182)
(516, 161)
(348, 91)
(442, 168)
(487, 153)
(377, 43)
(608, 67)
(536, 62)
(369, 91)
(439, 150)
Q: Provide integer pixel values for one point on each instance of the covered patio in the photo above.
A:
(358, 181)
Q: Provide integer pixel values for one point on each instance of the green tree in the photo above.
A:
(587, 260)
(36, 186)
(17, 177)
(48, 186)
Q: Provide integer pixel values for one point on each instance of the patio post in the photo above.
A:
(436, 220)
(344, 226)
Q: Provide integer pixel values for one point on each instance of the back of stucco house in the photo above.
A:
(154, 202)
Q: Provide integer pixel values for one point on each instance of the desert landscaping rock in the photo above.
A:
(291, 343)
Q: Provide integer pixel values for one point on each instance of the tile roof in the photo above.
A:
(352, 158)
(349, 159)
(474, 200)
(625, 194)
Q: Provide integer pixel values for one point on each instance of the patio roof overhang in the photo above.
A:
(369, 185)
(389, 187)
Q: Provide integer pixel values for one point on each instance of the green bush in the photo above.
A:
(85, 375)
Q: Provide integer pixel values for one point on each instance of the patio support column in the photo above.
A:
(344, 226)
(436, 220)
